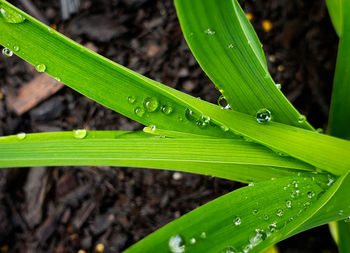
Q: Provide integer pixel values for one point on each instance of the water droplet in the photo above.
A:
(279, 212)
(166, 109)
(229, 250)
(150, 104)
(40, 67)
(16, 48)
(201, 124)
(222, 101)
(176, 244)
(341, 212)
(139, 111)
(301, 119)
(251, 184)
(231, 46)
(288, 203)
(131, 99)
(272, 227)
(291, 219)
(205, 119)
(58, 79)
(209, 31)
(330, 181)
(263, 116)
(255, 211)
(347, 219)
(11, 16)
(267, 75)
(224, 128)
(266, 217)
(278, 86)
(21, 136)
(152, 128)
(319, 130)
(203, 235)
(80, 133)
(189, 114)
(237, 221)
(257, 237)
(249, 42)
(193, 241)
(227, 107)
(7, 52)
(310, 195)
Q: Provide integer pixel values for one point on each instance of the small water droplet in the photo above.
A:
(224, 128)
(301, 119)
(176, 244)
(209, 31)
(266, 217)
(227, 107)
(189, 114)
(257, 237)
(251, 184)
(222, 101)
(193, 241)
(229, 249)
(21, 136)
(347, 219)
(255, 211)
(231, 46)
(150, 104)
(166, 109)
(58, 79)
(267, 75)
(7, 52)
(205, 119)
(279, 212)
(11, 16)
(341, 212)
(16, 48)
(40, 67)
(263, 116)
(203, 235)
(288, 203)
(278, 86)
(131, 99)
(237, 221)
(272, 227)
(249, 42)
(319, 130)
(310, 195)
(139, 111)
(80, 133)
(201, 124)
(330, 181)
(152, 128)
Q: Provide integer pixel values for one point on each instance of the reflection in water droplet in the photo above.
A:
(11, 16)
(131, 99)
(80, 133)
(7, 52)
(263, 115)
(222, 101)
(150, 104)
(40, 67)
(237, 221)
(21, 136)
(176, 244)
(189, 114)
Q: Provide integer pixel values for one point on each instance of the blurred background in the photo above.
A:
(105, 209)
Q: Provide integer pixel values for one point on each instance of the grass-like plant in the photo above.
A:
(299, 177)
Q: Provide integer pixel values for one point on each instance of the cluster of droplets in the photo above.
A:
(209, 31)
(10, 15)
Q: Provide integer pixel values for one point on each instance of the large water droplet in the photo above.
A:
(139, 111)
(209, 31)
(7, 52)
(176, 244)
(257, 237)
(150, 104)
(40, 67)
(80, 133)
(263, 116)
(237, 221)
(21, 136)
(11, 16)
(166, 109)
(131, 99)
(205, 119)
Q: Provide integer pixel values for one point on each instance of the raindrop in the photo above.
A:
(279, 212)
(176, 244)
(152, 128)
(189, 114)
(166, 109)
(205, 119)
(201, 124)
(229, 250)
(319, 130)
(7, 52)
(58, 79)
(40, 68)
(255, 211)
(251, 184)
(341, 212)
(272, 227)
(11, 16)
(80, 133)
(310, 195)
(21, 136)
(139, 111)
(278, 86)
(347, 219)
(224, 128)
(291, 219)
(193, 241)
(222, 101)
(16, 48)
(150, 104)
(301, 119)
(257, 237)
(237, 221)
(209, 31)
(330, 181)
(203, 235)
(131, 99)
(266, 217)
(263, 116)
(231, 46)
(288, 203)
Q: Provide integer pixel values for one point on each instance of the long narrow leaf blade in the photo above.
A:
(227, 48)
(226, 158)
(336, 13)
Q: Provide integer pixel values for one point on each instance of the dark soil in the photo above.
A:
(67, 209)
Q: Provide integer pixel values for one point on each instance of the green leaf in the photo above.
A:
(227, 158)
(229, 51)
(252, 218)
(335, 10)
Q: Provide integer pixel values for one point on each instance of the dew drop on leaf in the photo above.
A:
(203, 235)
(150, 104)
(237, 221)
(263, 116)
(289, 204)
(301, 119)
(21, 136)
(7, 52)
(139, 111)
(16, 48)
(279, 212)
(80, 133)
(257, 237)
(176, 244)
(341, 212)
(11, 16)
(40, 67)
(255, 211)
(58, 79)
(131, 99)
(266, 217)
(278, 86)
(193, 241)
(224, 128)
(229, 249)
(310, 195)
(166, 109)
(209, 31)
(189, 114)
